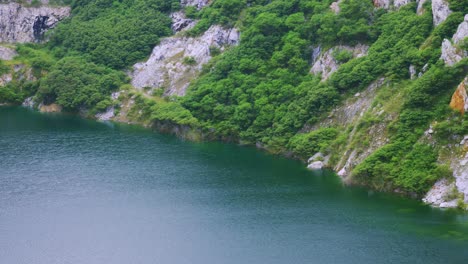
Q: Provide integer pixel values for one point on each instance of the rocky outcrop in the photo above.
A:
(326, 64)
(420, 9)
(451, 52)
(382, 4)
(52, 108)
(180, 22)
(178, 60)
(459, 100)
(462, 32)
(7, 53)
(350, 114)
(391, 4)
(442, 194)
(199, 4)
(20, 24)
(335, 6)
(440, 11)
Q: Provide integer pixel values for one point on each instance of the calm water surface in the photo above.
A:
(78, 191)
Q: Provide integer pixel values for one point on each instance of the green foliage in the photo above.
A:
(173, 113)
(113, 33)
(304, 145)
(342, 55)
(74, 83)
(459, 5)
(189, 61)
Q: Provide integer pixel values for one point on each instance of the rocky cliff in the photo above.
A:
(20, 24)
(178, 60)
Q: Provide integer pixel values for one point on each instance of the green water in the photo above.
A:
(79, 191)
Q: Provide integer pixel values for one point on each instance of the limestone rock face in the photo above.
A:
(439, 194)
(180, 22)
(382, 4)
(199, 4)
(7, 53)
(420, 9)
(451, 54)
(440, 11)
(400, 3)
(459, 100)
(19, 24)
(178, 60)
(326, 64)
(462, 31)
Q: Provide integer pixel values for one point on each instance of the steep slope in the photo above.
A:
(362, 87)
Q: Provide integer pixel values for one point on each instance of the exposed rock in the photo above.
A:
(7, 53)
(451, 54)
(462, 31)
(400, 3)
(180, 22)
(335, 6)
(20, 24)
(168, 66)
(412, 72)
(382, 4)
(316, 157)
(440, 192)
(52, 108)
(440, 11)
(388, 4)
(5, 78)
(28, 102)
(326, 64)
(420, 10)
(350, 113)
(460, 172)
(199, 4)
(316, 165)
(459, 100)
(107, 115)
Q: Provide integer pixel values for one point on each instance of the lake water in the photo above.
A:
(79, 191)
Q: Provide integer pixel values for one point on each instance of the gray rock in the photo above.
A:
(199, 4)
(451, 54)
(420, 10)
(439, 193)
(316, 157)
(107, 115)
(7, 53)
(21, 24)
(412, 72)
(440, 11)
(316, 165)
(325, 64)
(462, 31)
(180, 22)
(166, 69)
(335, 6)
(29, 102)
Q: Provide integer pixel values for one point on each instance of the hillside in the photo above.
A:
(375, 90)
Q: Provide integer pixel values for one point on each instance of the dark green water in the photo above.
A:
(78, 191)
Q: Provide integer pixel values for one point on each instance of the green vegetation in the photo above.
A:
(261, 91)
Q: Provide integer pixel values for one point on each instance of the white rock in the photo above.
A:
(462, 31)
(450, 204)
(316, 165)
(180, 22)
(335, 6)
(437, 195)
(342, 173)
(400, 3)
(412, 72)
(440, 11)
(199, 4)
(166, 68)
(326, 64)
(382, 4)
(315, 157)
(107, 115)
(115, 95)
(420, 9)
(7, 53)
(19, 24)
(451, 54)
(29, 102)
